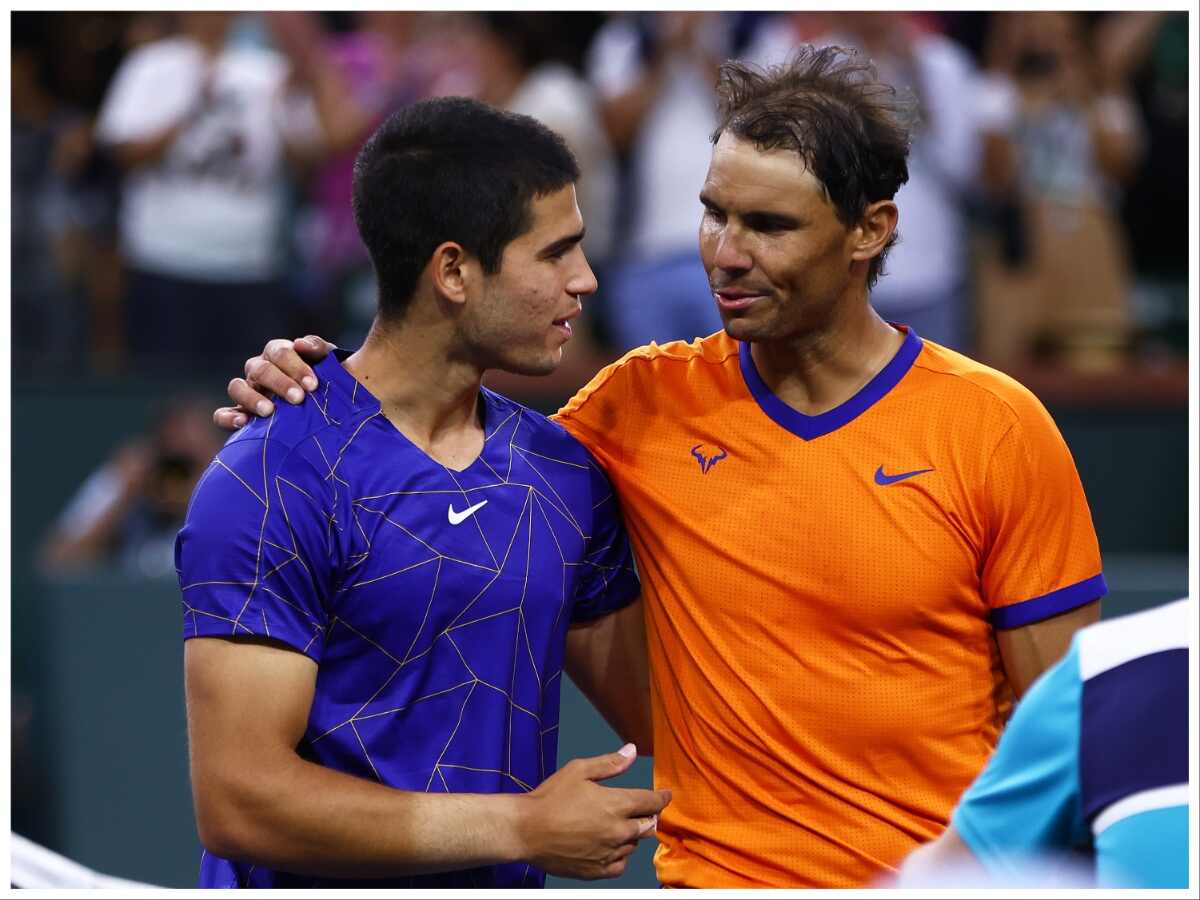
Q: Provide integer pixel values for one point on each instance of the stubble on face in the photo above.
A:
(768, 229)
(520, 321)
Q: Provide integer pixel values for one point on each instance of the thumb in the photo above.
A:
(600, 768)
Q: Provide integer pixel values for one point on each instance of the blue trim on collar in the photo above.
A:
(810, 427)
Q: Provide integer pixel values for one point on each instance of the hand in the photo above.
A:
(279, 372)
(578, 829)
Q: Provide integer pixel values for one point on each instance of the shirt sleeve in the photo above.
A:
(1042, 557)
(1026, 801)
(255, 555)
(608, 578)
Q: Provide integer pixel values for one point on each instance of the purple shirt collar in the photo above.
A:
(810, 427)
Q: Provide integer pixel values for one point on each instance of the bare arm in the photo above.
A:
(257, 800)
(1031, 649)
(606, 658)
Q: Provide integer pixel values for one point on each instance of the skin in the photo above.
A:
(257, 800)
(790, 277)
(249, 700)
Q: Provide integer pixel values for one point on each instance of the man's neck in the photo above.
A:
(424, 388)
(820, 370)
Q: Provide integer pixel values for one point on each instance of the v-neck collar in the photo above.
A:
(810, 427)
(362, 400)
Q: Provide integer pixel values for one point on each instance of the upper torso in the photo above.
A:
(434, 602)
(819, 604)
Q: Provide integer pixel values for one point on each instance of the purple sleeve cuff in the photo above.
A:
(1038, 608)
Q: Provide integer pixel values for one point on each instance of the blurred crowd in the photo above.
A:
(181, 186)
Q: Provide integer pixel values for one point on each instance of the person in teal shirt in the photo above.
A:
(1094, 763)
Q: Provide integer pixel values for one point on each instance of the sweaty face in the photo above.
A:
(522, 319)
(778, 259)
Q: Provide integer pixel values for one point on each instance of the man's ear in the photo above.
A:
(874, 230)
(451, 268)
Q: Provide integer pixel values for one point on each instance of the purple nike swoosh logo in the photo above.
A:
(881, 478)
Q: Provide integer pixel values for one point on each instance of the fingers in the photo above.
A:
(313, 347)
(639, 803)
(268, 373)
(598, 768)
(250, 400)
(229, 418)
(616, 864)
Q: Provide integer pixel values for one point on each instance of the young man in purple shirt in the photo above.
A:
(383, 586)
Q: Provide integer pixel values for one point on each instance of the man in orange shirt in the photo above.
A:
(855, 545)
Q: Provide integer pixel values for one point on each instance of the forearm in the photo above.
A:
(301, 817)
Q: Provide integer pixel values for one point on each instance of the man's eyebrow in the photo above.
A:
(563, 243)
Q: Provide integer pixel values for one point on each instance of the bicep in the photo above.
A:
(1030, 650)
(606, 658)
(247, 699)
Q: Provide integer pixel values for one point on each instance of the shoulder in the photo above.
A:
(658, 367)
(304, 442)
(969, 386)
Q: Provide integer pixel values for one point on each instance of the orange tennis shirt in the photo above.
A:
(821, 593)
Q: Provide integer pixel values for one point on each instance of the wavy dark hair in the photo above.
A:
(827, 105)
(450, 169)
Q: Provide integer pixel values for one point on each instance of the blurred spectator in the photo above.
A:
(1061, 139)
(63, 285)
(378, 61)
(925, 282)
(1149, 52)
(128, 511)
(203, 131)
(519, 72)
(371, 61)
(655, 74)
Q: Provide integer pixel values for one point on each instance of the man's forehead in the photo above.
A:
(738, 167)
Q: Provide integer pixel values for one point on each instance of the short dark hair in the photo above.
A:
(828, 105)
(450, 169)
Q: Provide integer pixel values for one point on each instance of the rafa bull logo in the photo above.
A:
(708, 460)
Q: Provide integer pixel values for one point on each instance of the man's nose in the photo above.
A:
(583, 282)
(730, 254)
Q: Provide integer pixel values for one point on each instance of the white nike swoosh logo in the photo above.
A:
(457, 518)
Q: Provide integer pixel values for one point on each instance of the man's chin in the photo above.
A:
(533, 367)
(741, 329)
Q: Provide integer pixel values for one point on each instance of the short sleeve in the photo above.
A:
(607, 578)
(1026, 800)
(1041, 557)
(256, 552)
